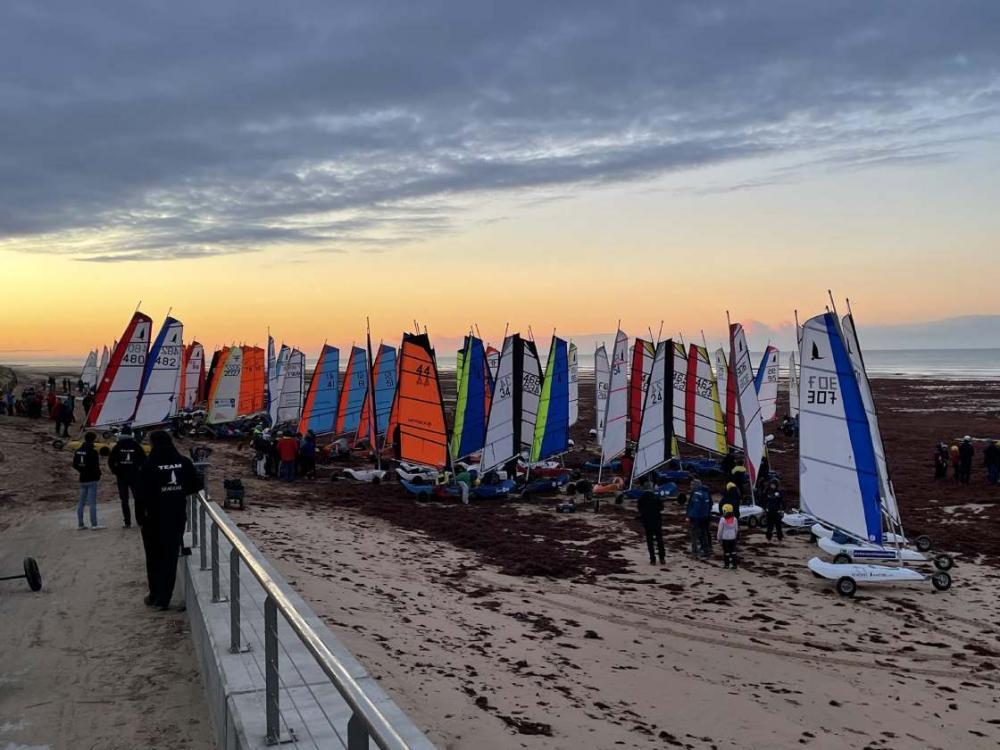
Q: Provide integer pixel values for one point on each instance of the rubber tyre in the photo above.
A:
(376, 480)
(58, 444)
(813, 538)
(752, 522)
(32, 575)
(941, 581)
(841, 558)
(619, 499)
(525, 495)
(943, 562)
(923, 543)
(846, 586)
(423, 497)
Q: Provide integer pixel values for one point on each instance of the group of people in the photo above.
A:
(959, 457)
(159, 484)
(283, 455)
(43, 400)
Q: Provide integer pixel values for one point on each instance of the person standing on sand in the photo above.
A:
(165, 481)
(288, 451)
(650, 508)
(991, 460)
(87, 463)
(955, 461)
(65, 416)
(728, 531)
(774, 507)
(941, 461)
(965, 454)
(307, 455)
(699, 514)
(734, 497)
(125, 461)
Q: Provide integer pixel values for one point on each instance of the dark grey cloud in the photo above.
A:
(183, 129)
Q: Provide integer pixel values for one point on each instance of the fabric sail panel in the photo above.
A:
(793, 386)
(679, 384)
(472, 401)
(503, 439)
(766, 384)
(655, 445)
(224, 403)
(721, 376)
(89, 373)
(838, 476)
(293, 382)
(420, 422)
(531, 392)
(642, 362)
(319, 413)
(270, 375)
(252, 384)
(706, 427)
(888, 493)
(384, 378)
(194, 375)
(731, 411)
(574, 384)
(118, 391)
(493, 361)
(615, 424)
(353, 393)
(280, 374)
(602, 383)
(158, 392)
(103, 367)
(551, 436)
(748, 408)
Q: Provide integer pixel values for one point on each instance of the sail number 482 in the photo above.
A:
(822, 389)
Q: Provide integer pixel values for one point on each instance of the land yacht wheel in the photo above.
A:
(923, 543)
(943, 562)
(846, 586)
(841, 558)
(941, 581)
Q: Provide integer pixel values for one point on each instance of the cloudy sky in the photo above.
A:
(304, 164)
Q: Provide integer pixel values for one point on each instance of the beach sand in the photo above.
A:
(504, 624)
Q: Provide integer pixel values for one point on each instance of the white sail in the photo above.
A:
(750, 422)
(793, 386)
(616, 419)
(574, 385)
(766, 384)
(838, 479)
(500, 447)
(602, 383)
(292, 388)
(857, 361)
(118, 390)
(654, 447)
(706, 427)
(531, 392)
(270, 377)
(103, 367)
(679, 386)
(225, 400)
(280, 370)
(193, 372)
(721, 375)
(158, 400)
(89, 374)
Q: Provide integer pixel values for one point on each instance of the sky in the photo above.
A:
(299, 166)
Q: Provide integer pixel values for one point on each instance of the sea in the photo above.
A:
(932, 364)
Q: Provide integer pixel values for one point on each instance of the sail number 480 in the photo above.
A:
(822, 389)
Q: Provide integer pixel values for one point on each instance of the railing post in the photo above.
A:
(194, 519)
(357, 733)
(202, 540)
(234, 602)
(271, 671)
(215, 564)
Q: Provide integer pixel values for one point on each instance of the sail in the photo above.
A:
(721, 376)
(118, 391)
(793, 386)
(655, 444)
(270, 376)
(531, 392)
(868, 400)
(422, 436)
(551, 436)
(679, 395)
(838, 476)
(194, 376)
(384, 377)
(158, 392)
(213, 370)
(574, 385)
(353, 393)
(705, 424)
(252, 383)
(615, 435)
(503, 428)
(766, 384)
(103, 367)
(320, 410)
(493, 360)
(472, 400)
(602, 382)
(89, 374)
(731, 409)
(292, 380)
(223, 402)
(280, 373)
(747, 406)
(642, 363)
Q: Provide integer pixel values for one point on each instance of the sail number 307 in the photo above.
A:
(822, 389)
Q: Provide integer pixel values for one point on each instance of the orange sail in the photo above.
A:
(252, 383)
(418, 430)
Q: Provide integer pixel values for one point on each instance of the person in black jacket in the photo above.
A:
(965, 454)
(650, 507)
(87, 463)
(165, 481)
(774, 508)
(126, 458)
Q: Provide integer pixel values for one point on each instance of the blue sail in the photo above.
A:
(471, 406)
(319, 413)
(552, 425)
(385, 385)
(353, 392)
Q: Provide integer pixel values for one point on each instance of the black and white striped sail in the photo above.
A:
(531, 392)
(574, 385)
(679, 385)
(292, 388)
(793, 385)
(602, 383)
(616, 419)
(276, 381)
(503, 439)
(655, 445)
(751, 424)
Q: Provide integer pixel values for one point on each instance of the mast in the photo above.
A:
(372, 415)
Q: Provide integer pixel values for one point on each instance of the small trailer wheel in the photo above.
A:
(423, 497)
(752, 522)
(941, 581)
(376, 480)
(32, 575)
(923, 543)
(57, 444)
(943, 562)
(846, 586)
(841, 558)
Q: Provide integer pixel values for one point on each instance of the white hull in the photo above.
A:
(880, 573)
(820, 531)
(365, 475)
(798, 520)
(428, 475)
(870, 552)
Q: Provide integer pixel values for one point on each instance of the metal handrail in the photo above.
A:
(364, 709)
